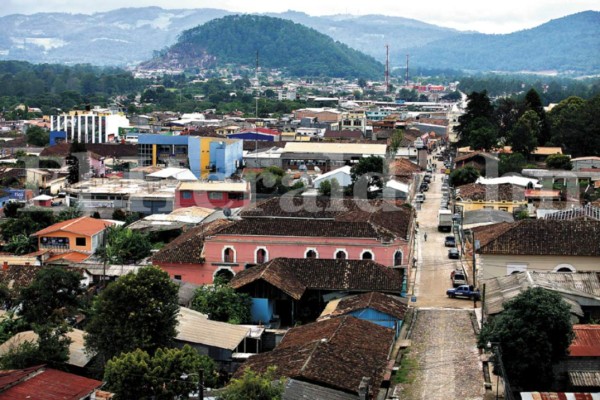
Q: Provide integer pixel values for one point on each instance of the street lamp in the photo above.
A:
(200, 375)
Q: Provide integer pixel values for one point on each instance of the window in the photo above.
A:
(311, 254)
(503, 209)
(367, 255)
(228, 255)
(80, 241)
(223, 274)
(261, 256)
(236, 196)
(341, 255)
(186, 194)
(215, 195)
(177, 277)
(398, 258)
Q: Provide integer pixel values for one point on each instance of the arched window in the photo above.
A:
(228, 255)
(341, 255)
(398, 257)
(261, 256)
(223, 275)
(311, 254)
(564, 268)
(366, 255)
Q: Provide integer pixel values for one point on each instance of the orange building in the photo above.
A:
(83, 234)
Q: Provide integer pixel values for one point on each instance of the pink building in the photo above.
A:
(213, 194)
(280, 227)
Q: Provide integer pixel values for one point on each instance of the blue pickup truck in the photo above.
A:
(465, 291)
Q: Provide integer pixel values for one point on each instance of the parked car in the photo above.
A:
(464, 291)
(449, 241)
(424, 187)
(453, 253)
(420, 197)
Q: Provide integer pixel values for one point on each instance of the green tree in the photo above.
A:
(366, 173)
(559, 161)
(21, 244)
(534, 332)
(124, 246)
(222, 303)
(330, 187)
(478, 106)
(11, 208)
(138, 375)
(119, 215)
(72, 212)
(136, 311)
(533, 102)
(524, 136)
(254, 386)
(37, 136)
(395, 142)
(483, 134)
(568, 128)
(514, 162)
(51, 348)
(463, 176)
(51, 297)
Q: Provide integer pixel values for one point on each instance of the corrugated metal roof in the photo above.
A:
(195, 327)
(51, 384)
(584, 378)
(586, 342)
(504, 288)
(77, 354)
(298, 390)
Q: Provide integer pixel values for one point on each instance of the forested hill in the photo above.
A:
(568, 44)
(281, 44)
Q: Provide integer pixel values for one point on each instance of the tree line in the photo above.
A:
(525, 125)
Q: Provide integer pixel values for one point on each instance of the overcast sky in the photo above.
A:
(502, 16)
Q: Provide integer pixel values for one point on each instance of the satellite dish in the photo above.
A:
(227, 212)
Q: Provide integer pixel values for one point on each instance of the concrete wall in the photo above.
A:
(493, 266)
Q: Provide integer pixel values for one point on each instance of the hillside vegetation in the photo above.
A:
(281, 44)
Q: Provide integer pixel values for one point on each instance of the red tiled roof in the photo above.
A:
(335, 353)
(502, 192)
(294, 276)
(188, 247)
(586, 342)
(45, 383)
(542, 237)
(87, 226)
(71, 256)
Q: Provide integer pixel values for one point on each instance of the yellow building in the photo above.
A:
(503, 197)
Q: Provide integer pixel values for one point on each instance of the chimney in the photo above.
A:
(363, 388)
(5, 266)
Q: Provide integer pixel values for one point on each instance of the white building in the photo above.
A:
(95, 126)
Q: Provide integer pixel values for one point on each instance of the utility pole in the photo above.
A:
(474, 259)
(407, 57)
(387, 68)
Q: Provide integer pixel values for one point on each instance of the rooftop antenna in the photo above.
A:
(257, 86)
(387, 68)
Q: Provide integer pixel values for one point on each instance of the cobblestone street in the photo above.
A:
(446, 359)
(443, 358)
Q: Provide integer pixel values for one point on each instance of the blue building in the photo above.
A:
(379, 308)
(206, 157)
(57, 137)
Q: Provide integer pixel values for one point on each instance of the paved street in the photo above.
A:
(443, 350)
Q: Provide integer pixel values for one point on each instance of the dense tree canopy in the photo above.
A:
(37, 136)
(525, 134)
(136, 311)
(254, 386)
(368, 172)
(462, 176)
(51, 297)
(222, 303)
(138, 375)
(534, 331)
(124, 246)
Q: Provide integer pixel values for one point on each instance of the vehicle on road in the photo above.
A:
(458, 277)
(464, 291)
(444, 220)
(453, 253)
(449, 241)
(420, 197)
